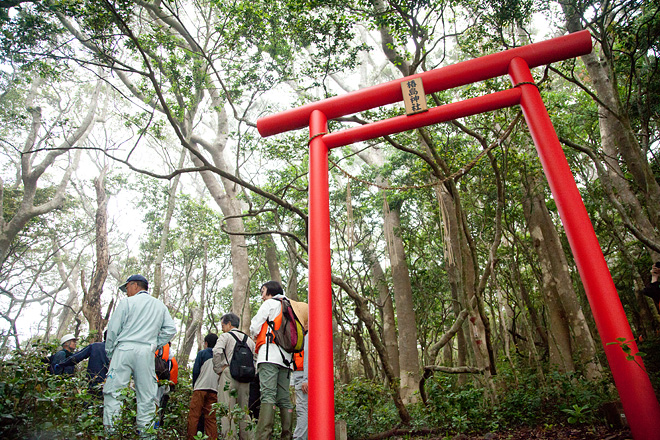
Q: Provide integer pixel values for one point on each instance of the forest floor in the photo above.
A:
(554, 433)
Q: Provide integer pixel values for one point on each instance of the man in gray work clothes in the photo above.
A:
(139, 326)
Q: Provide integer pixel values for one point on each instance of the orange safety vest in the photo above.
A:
(174, 371)
(174, 365)
(299, 359)
(261, 337)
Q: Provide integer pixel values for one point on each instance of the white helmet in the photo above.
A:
(66, 338)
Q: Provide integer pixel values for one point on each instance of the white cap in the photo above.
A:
(66, 338)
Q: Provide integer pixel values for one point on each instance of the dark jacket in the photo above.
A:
(653, 291)
(202, 356)
(97, 367)
(57, 360)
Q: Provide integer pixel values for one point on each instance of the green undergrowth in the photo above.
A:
(38, 405)
(560, 399)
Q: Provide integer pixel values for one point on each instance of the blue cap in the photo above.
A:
(139, 278)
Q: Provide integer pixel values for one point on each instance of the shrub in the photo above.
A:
(35, 404)
(366, 406)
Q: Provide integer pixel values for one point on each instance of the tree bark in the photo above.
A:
(292, 282)
(91, 304)
(364, 353)
(386, 308)
(402, 287)
(272, 261)
(226, 197)
(390, 339)
(555, 268)
(559, 338)
(454, 268)
(171, 203)
(196, 317)
(453, 330)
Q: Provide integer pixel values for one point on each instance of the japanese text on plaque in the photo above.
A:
(414, 97)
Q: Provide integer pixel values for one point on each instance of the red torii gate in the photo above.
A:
(639, 401)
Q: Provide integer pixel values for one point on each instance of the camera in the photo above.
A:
(657, 264)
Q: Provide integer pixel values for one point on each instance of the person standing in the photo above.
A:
(139, 325)
(299, 375)
(97, 366)
(166, 354)
(301, 385)
(68, 343)
(205, 391)
(231, 391)
(273, 365)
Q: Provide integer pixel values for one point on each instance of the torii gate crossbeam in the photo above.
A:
(638, 399)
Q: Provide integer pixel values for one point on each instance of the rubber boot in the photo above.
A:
(265, 423)
(286, 416)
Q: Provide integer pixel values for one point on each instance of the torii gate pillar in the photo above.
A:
(637, 397)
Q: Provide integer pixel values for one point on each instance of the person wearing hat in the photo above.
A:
(97, 366)
(140, 325)
(68, 343)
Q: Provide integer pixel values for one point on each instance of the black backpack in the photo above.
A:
(162, 366)
(241, 366)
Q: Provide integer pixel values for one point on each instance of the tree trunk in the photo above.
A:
(504, 322)
(292, 282)
(477, 329)
(454, 269)
(555, 267)
(364, 353)
(91, 304)
(171, 203)
(386, 308)
(363, 313)
(559, 338)
(446, 337)
(527, 308)
(408, 352)
(194, 322)
(70, 279)
(226, 197)
(389, 333)
(272, 260)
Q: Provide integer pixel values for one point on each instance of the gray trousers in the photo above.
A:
(300, 432)
(232, 393)
(136, 360)
(274, 381)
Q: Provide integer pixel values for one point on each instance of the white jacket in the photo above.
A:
(270, 352)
